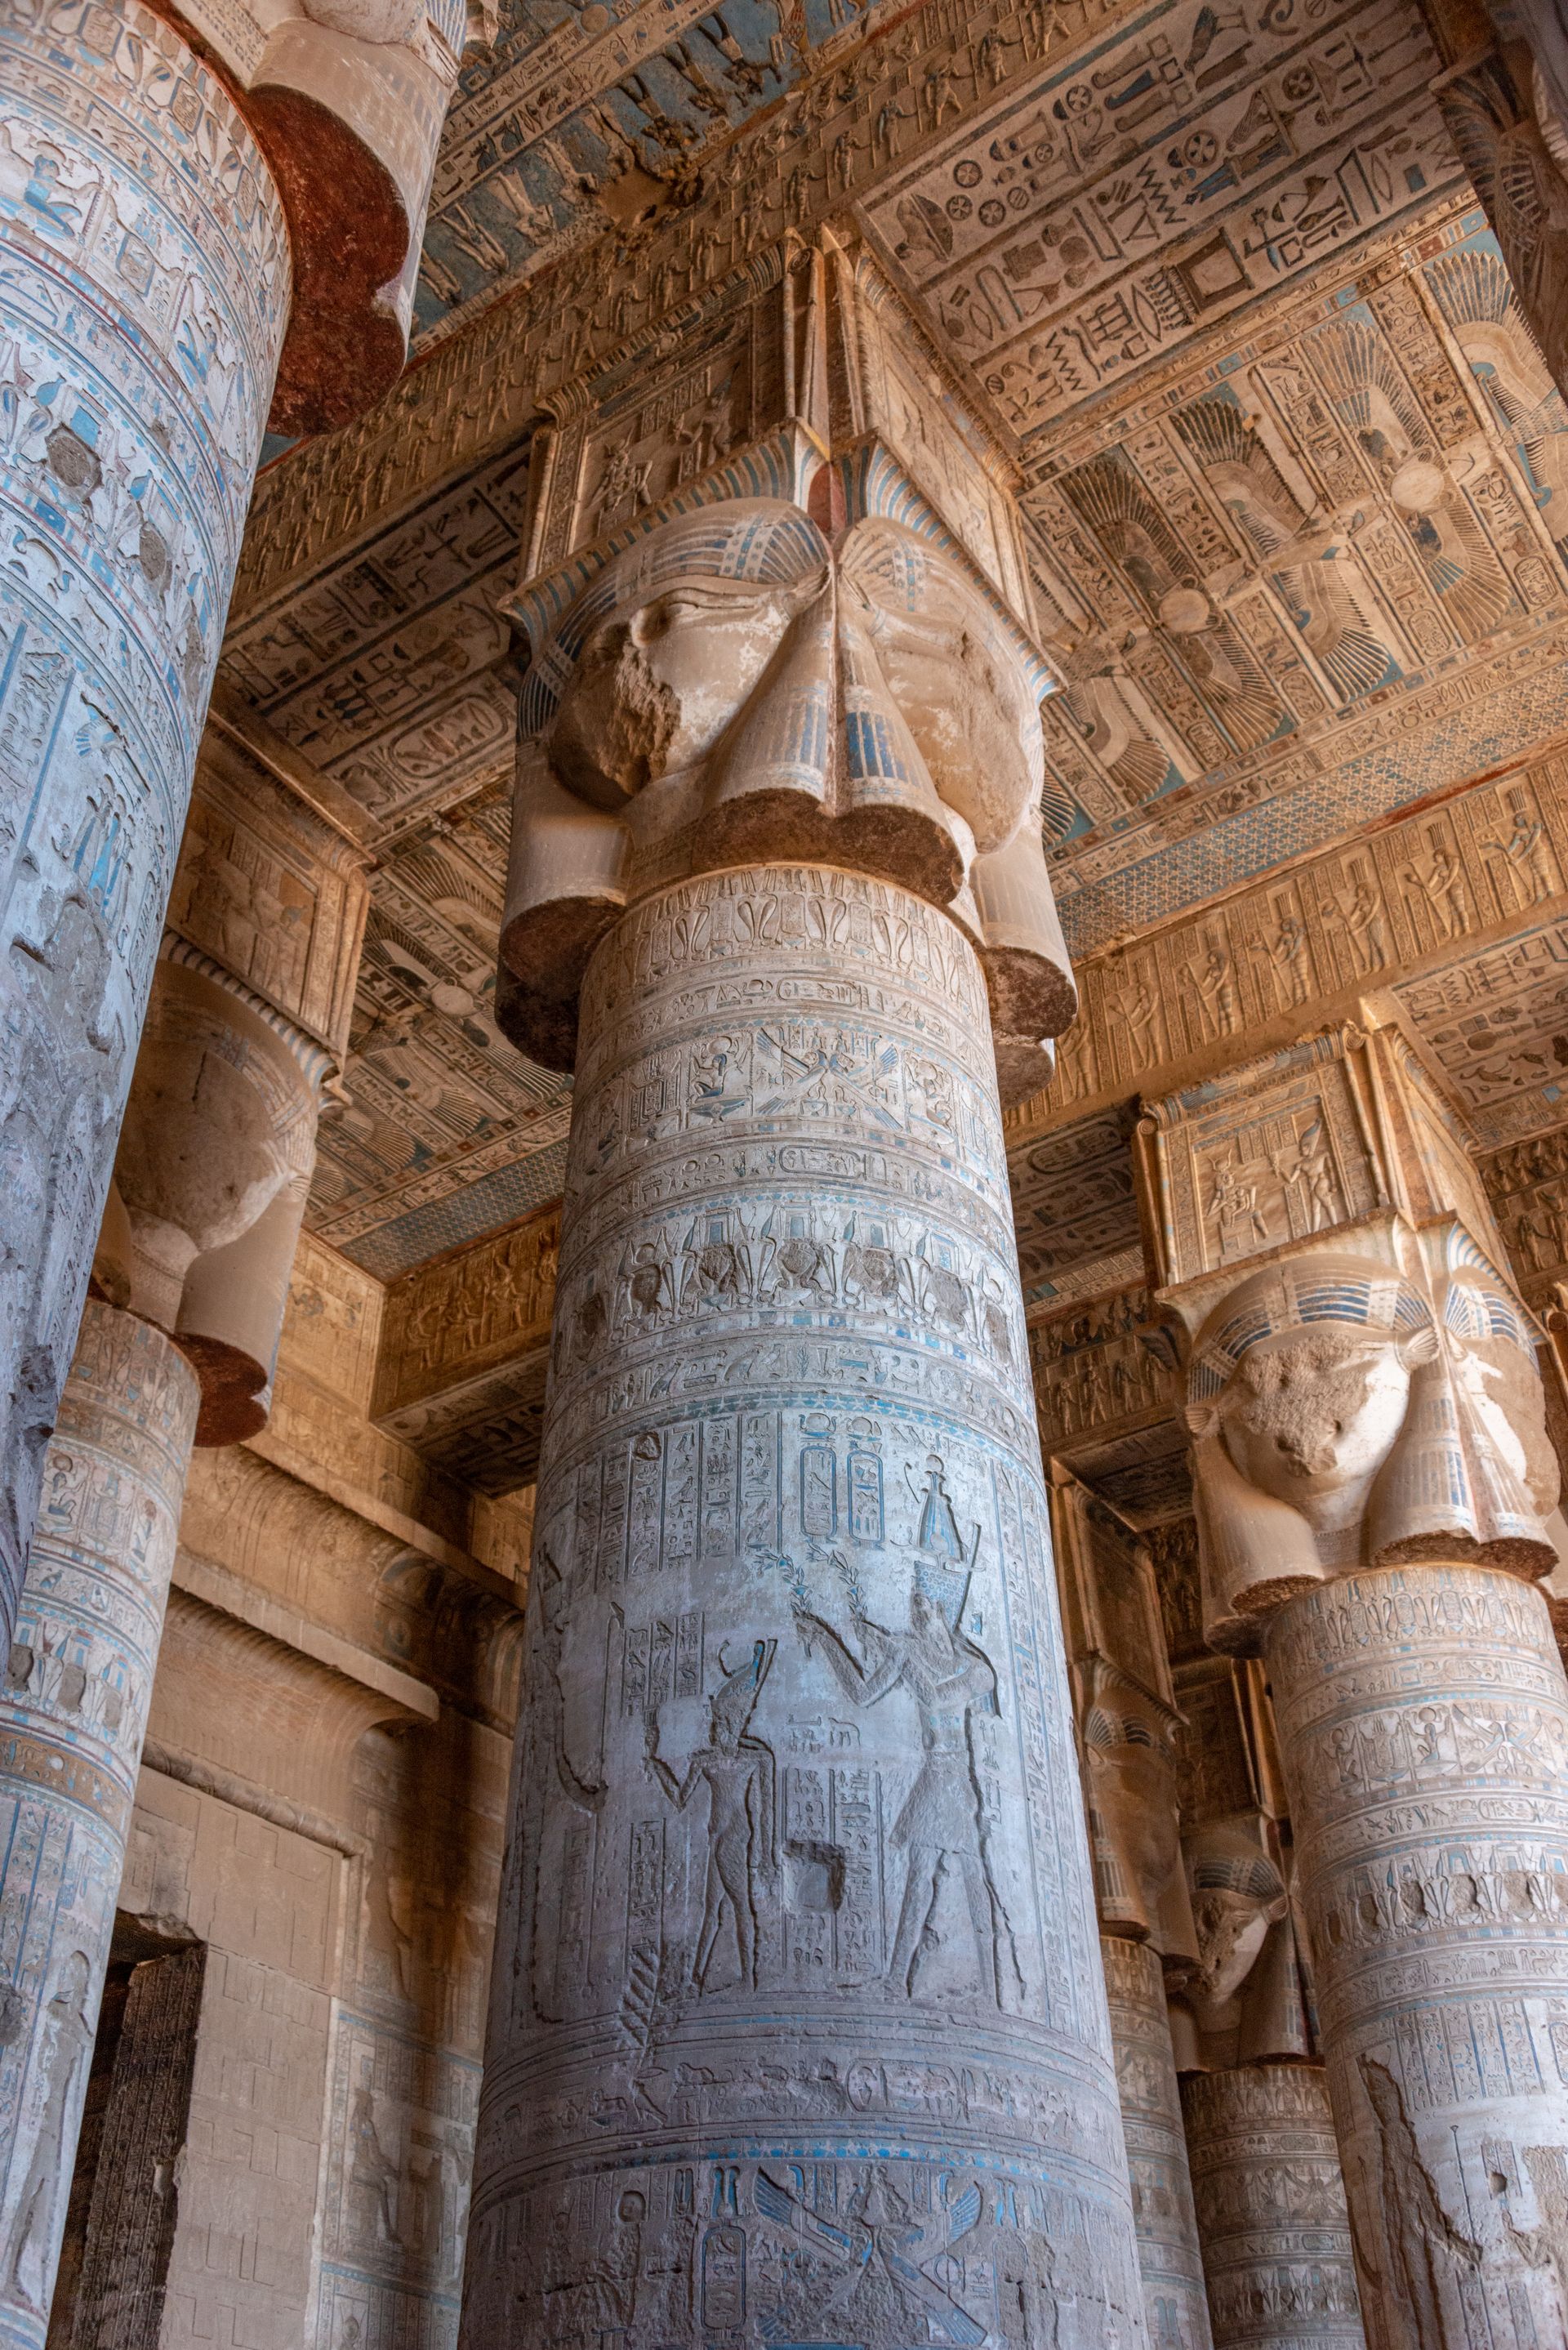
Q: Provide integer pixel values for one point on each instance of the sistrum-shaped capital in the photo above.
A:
(827, 672)
(210, 1183)
(1360, 1384)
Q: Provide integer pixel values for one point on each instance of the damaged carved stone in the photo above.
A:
(721, 677)
(734, 688)
(797, 1828)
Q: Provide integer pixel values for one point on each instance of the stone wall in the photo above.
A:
(321, 1806)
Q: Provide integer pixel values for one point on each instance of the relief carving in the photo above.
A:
(132, 421)
(1376, 1497)
(738, 1772)
(779, 1738)
(1277, 2241)
(1246, 1993)
(1342, 1415)
(729, 687)
(942, 1826)
(1421, 1710)
(74, 1704)
(1344, 1407)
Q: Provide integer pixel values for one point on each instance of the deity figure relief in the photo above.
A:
(872, 2271)
(1360, 911)
(942, 1826)
(1214, 979)
(374, 2177)
(1311, 1188)
(555, 1786)
(1427, 2252)
(1341, 1416)
(738, 1772)
(65, 2044)
(1521, 856)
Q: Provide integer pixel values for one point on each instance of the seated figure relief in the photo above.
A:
(732, 689)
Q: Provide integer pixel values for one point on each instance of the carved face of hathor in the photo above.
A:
(1310, 1415)
(730, 691)
(1345, 1416)
(1232, 1929)
(659, 680)
(871, 672)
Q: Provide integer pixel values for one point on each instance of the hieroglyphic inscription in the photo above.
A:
(1423, 1723)
(1368, 912)
(78, 1683)
(1272, 2207)
(1168, 2255)
(797, 1728)
(132, 412)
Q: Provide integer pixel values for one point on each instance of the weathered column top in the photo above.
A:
(797, 625)
(346, 99)
(1360, 1378)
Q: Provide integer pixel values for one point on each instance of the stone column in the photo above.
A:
(164, 242)
(1423, 1721)
(1265, 2166)
(1271, 2206)
(78, 1686)
(798, 2031)
(1128, 1725)
(1169, 2261)
(1374, 1487)
(797, 1948)
(219, 1131)
(131, 411)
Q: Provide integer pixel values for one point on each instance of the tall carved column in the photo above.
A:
(1266, 2175)
(176, 1346)
(1127, 1724)
(1271, 2205)
(797, 2027)
(163, 245)
(1374, 1481)
(78, 1680)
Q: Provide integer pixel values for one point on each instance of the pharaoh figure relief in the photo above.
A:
(797, 2031)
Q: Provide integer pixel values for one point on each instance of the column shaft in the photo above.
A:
(1271, 2206)
(72, 1717)
(1168, 2256)
(1423, 1719)
(143, 305)
(797, 2030)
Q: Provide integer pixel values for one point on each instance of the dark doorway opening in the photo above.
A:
(119, 2222)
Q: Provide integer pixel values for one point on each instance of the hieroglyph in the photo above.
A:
(78, 1681)
(797, 1744)
(145, 289)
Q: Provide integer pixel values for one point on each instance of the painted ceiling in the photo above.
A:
(576, 117)
(1297, 509)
